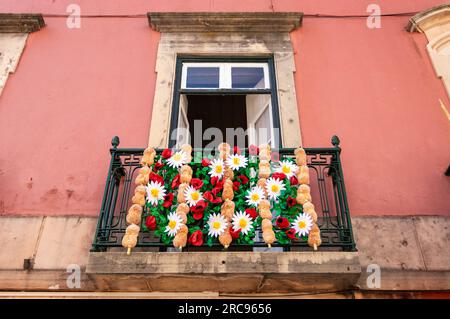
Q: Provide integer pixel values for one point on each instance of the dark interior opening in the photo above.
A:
(221, 111)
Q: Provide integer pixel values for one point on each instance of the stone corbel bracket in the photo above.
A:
(224, 21)
(14, 30)
(428, 18)
(434, 23)
(20, 23)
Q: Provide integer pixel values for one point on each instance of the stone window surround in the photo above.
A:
(14, 29)
(225, 34)
(435, 24)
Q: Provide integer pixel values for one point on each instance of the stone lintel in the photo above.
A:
(20, 23)
(224, 21)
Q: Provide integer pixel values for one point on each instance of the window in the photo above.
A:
(232, 95)
(199, 75)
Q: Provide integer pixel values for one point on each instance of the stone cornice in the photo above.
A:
(224, 22)
(20, 23)
(414, 24)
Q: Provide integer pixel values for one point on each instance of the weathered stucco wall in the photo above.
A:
(75, 88)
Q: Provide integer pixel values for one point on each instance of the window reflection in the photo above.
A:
(247, 77)
(207, 77)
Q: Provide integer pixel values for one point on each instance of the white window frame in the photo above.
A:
(225, 73)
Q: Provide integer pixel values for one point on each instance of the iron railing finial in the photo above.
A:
(115, 142)
(336, 141)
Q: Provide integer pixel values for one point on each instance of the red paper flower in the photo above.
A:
(197, 210)
(243, 179)
(158, 166)
(291, 201)
(235, 233)
(197, 183)
(196, 238)
(208, 196)
(293, 180)
(236, 186)
(217, 200)
(253, 150)
(150, 222)
(168, 200)
(280, 176)
(290, 233)
(206, 162)
(217, 188)
(153, 177)
(282, 222)
(214, 180)
(166, 153)
(252, 212)
(236, 150)
(176, 181)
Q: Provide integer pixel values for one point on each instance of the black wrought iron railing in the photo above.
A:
(327, 190)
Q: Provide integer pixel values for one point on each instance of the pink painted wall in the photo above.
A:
(76, 88)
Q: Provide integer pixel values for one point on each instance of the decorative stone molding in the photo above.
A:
(20, 23)
(435, 24)
(224, 21)
(225, 34)
(11, 48)
(14, 29)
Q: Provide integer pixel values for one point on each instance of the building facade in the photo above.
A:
(74, 75)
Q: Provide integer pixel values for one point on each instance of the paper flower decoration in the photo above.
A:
(217, 168)
(155, 192)
(193, 196)
(254, 196)
(217, 225)
(173, 224)
(302, 224)
(243, 222)
(236, 161)
(287, 168)
(274, 187)
(177, 160)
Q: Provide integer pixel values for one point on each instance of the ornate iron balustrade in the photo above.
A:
(327, 189)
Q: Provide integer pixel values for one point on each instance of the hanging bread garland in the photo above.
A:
(134, 215)
(229, 210)
(180, 239)
(304, 197)
(264, 205)
(228, 206)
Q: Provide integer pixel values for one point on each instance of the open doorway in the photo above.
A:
(221, 111)
(239, 120)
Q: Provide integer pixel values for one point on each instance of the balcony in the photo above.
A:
(334, 266)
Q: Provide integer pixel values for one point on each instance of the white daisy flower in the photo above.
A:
(217, 225)
(217, 168)
(287, 168)
(192, 195)
(236, 161)
(177, 160)
(242, 221)
(255, 195)
(174, 224)
(155, 192)
(302, 224)
(274, 187)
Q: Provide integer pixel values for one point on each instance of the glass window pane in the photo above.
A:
(207, 77)
(247, 77)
